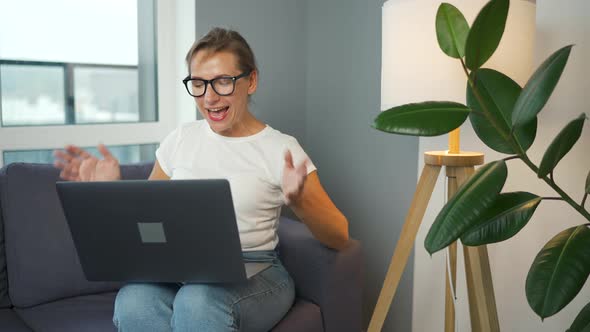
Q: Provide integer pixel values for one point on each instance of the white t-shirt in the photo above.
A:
(253, 165)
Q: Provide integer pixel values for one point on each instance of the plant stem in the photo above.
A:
(555, 187)
(478, 112)
(465, 68)
(553, 198)
(511, 157)
(584, 200)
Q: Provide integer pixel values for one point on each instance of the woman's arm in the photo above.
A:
(158, 173)
(315, 208)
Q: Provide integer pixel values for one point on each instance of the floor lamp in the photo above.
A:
(415, 69)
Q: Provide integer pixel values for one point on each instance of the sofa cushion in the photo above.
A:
(303, 316)
(87, 313)
(95, 312)
(10, 322)
(140, 171)
(42, 262)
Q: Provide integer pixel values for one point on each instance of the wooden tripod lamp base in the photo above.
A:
(459, 167)
(446, 158)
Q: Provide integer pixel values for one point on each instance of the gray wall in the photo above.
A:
(370, 175)
(320, 63)
(273, 30)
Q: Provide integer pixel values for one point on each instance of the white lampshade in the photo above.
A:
(414, 68)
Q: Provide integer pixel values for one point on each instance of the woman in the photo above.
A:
(265, 168)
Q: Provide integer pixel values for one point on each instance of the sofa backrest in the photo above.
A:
(4, 299)
(41, 260)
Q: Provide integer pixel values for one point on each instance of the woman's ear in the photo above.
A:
(253, 82)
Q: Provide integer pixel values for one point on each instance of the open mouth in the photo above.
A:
(218, 114)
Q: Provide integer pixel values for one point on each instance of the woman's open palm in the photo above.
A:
(293, 178)
(77, 164)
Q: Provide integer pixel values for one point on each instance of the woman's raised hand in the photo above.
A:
(77, 164)
(293, 178)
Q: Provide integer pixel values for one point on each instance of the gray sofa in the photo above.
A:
(42, 287)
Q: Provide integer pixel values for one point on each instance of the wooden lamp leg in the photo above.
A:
(480, 288)
(404, 245)
(451, 276)
(449, 299)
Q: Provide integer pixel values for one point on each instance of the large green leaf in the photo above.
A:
(538, 89)
(561, 145)
(582, 321)
(486, 33)
(464, 209)
(431, 118)
(451, 30)
(559, 271)
(509, 213)
(498, 93)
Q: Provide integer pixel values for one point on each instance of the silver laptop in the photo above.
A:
(156, 231)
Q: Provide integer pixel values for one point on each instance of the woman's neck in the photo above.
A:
(248, 125)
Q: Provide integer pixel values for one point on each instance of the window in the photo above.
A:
(32, 94)
(85, 70)
(126, 154)
(36, 93)
(78, 72)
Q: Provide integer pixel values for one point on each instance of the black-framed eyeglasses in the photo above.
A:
(223, 86)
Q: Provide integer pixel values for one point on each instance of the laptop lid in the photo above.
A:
(159, 231)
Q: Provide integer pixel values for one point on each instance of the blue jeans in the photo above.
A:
(256, 305)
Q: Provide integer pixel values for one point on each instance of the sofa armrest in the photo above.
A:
(329, 278)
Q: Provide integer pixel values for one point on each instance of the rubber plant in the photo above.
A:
(504, 117)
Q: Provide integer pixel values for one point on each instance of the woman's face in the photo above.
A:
(223, 113)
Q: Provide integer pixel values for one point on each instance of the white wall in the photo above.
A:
(557, 24)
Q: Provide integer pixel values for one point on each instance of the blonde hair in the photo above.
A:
(220, 39)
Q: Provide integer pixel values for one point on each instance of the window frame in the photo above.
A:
(69, 88)
(174, 21)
